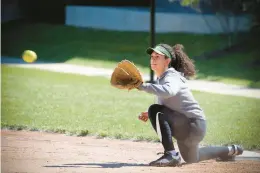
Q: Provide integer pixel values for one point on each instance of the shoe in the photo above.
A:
(237, 151)
(167, 159)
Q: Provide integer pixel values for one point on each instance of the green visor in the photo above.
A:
(160, 50)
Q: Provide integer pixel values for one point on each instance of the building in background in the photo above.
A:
(170, 16)
(10, 10)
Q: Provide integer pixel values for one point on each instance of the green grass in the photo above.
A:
(81, 105)
(222, 69)
(101, 48)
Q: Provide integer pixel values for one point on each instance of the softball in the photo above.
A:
(29, 56)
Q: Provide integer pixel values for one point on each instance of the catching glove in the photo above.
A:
(126, 76)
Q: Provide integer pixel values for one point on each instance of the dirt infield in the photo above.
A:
(45, 152)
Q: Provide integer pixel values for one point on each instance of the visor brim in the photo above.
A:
(150, 50)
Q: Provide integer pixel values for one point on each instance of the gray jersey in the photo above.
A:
(173, 92)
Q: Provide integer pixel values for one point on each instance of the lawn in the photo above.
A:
(81, 105)
(57, 43)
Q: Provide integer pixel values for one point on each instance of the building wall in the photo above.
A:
(138, 19)
(33, 10)
(10, 10)
(170, 17)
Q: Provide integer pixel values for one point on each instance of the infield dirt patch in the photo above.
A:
(31, 152)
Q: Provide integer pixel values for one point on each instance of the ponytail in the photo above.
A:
(181, 62)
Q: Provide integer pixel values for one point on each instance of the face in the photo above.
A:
(158, 62)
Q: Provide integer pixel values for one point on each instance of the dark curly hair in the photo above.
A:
(180, 60)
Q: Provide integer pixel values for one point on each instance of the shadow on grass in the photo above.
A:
(98, 165)
(254, 84)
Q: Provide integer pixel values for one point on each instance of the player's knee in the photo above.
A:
(153, 109)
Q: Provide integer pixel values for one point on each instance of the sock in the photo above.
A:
(230, 150)
(173, 152)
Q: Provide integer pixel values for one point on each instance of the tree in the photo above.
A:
(226, 10)
(236, 6)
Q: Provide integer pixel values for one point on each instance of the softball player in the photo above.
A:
(177, 114)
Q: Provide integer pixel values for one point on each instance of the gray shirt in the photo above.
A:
(173, 92)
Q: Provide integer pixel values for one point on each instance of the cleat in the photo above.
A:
(237, 151)
(167, 160)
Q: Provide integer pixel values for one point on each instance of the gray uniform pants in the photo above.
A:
(188, 133)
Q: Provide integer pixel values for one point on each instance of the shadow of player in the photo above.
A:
(98, 165)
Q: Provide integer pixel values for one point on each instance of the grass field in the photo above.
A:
(57, 43)
(81, 105)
